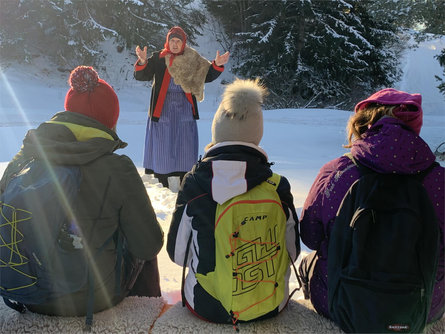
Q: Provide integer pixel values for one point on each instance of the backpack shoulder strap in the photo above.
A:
(351, 157)
(274, 180)
(363, 170)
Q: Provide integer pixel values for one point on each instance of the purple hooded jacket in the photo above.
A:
(389, 146)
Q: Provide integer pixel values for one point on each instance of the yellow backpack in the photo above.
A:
(250, 253)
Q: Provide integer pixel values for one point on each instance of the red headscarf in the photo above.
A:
(178, 33)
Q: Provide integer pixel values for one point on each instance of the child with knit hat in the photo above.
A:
(383, 136)
(111, 199)
(233, 165)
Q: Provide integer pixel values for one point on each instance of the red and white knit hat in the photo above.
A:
(91, 96)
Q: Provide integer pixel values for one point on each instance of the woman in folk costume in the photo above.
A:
(178, 73)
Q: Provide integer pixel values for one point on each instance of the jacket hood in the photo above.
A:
(391, 96)
(229, 169)
(390, 146)
(72, 139)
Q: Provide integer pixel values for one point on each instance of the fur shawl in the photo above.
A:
(189, 70)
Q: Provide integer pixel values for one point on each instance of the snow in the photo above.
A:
(137, 2)
(419, 67)
(298, 141)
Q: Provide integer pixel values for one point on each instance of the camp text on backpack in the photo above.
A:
(383, 252)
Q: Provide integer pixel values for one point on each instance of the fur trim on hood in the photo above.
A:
(189, 70)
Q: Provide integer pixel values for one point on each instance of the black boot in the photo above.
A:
(163, 178)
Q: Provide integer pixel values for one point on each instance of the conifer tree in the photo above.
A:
(312, 53)
(427, 16)
(70, 32)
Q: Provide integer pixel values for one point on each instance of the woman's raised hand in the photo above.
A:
(221, 60)
(142, 54)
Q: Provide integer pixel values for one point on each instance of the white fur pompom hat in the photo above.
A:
(239, 116)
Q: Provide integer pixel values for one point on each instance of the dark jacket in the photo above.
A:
(155, 69)
(194, 216)
(388, 146)
(112, 195)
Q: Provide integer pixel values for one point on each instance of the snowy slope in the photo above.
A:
(419, 68)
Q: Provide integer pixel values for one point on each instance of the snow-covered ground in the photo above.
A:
(299, 141)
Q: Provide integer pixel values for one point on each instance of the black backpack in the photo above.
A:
(36, 207)
(383, 254)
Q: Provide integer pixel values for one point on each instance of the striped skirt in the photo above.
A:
(171, 144)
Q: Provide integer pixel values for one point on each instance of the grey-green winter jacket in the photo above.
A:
(112, 195)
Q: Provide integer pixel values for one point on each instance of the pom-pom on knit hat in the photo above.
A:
(239, 116)
(409, 110)
(91, 96)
